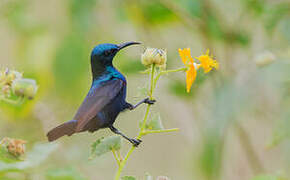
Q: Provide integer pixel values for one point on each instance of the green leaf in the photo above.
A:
(64, 174)
(39, 153)
(104, 145)
(128, 178)
(155, 123)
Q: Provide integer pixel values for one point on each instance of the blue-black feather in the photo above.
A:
(105, 99)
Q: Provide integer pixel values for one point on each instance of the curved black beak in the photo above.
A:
(123, 45)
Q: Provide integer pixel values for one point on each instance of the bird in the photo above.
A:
(105, 99)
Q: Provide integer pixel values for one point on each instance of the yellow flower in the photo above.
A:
(207, 62)
(191, 65)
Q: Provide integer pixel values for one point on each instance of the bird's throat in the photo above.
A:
(99, 68)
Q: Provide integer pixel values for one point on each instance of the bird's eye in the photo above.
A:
(107, 53)
(110, 52)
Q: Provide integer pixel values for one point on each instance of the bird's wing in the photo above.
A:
(96, 100)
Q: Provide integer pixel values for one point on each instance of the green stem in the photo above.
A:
(166, 72)
(117, 177)
(152, 81)
(120, 156)
(159, 131)
(175, 70)
(122, 164)
(115, 156)
(143, 130)
(149, 105)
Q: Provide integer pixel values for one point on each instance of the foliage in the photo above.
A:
(10, 163)
(104, 145)
(38, 154)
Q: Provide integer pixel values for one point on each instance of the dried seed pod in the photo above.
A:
(16, 147)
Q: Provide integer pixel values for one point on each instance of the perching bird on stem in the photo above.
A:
(105, 99)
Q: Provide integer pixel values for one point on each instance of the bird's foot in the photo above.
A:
(148, 101)
(135, 142)
(130, 106)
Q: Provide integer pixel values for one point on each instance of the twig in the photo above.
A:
(115, 156)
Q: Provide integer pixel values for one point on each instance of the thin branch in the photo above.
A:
(115, 156)
(159, 131)
(166, 72)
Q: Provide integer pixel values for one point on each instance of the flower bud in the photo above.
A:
(7, 77)
(13, 75)
(264, 58)
(25, 87)
(154, 56)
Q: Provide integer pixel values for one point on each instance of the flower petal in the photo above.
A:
(188, 55)
(190, 77)
(207, 62)
(182, 55)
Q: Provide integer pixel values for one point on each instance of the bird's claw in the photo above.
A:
(130, 107)
(135, 142)
(149, 101)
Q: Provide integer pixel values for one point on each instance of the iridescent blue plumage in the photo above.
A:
(105, 99)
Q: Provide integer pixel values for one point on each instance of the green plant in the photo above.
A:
(155, 60)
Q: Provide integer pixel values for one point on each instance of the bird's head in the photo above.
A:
(103, 54)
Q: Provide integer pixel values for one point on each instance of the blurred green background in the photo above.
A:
(235, 123)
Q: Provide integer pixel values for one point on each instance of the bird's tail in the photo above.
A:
(67, 128)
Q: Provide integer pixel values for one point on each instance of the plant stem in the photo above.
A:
(159, 131)
(165, 72)
(120, 156)
(152, 82)
(175, 70)
(122, 164)
(143, 130)
(115, 156)
(149, 105)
